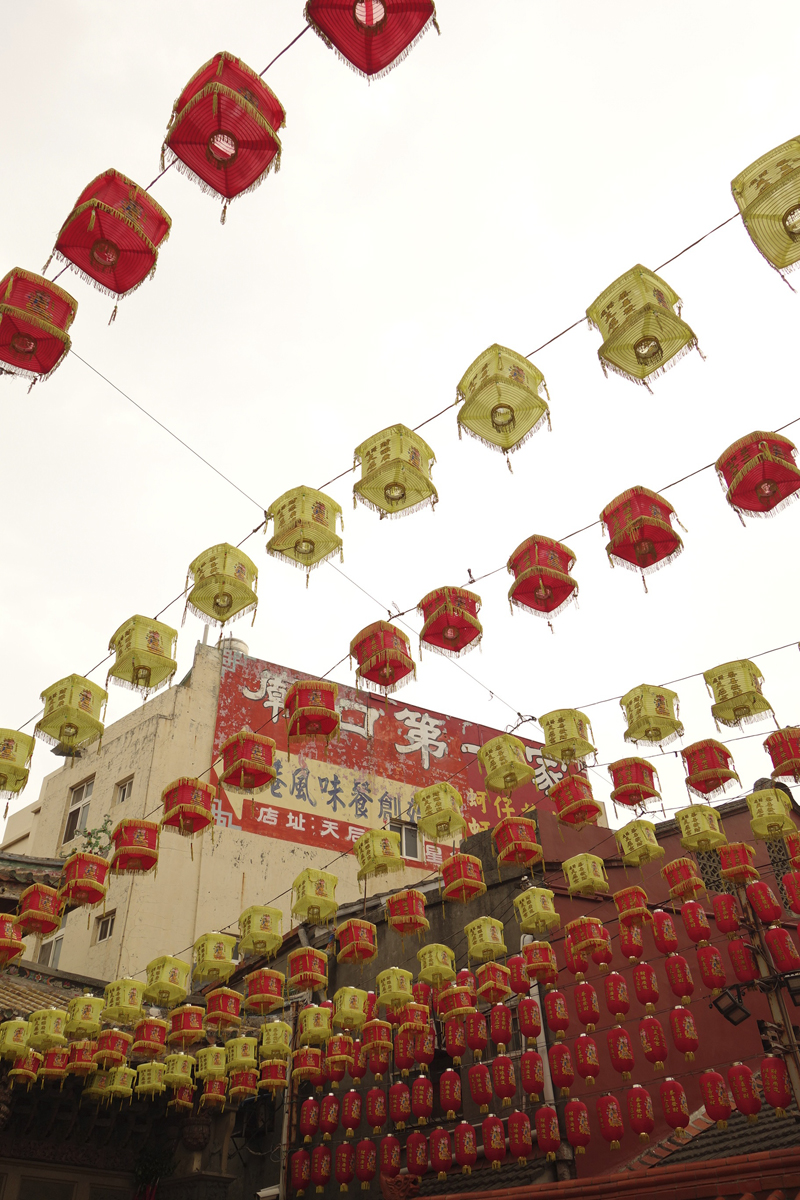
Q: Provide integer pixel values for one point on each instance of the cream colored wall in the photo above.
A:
(19, 828)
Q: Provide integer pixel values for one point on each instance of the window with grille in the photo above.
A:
(124, 790)
(710, 873)
(78, 811)
(781, 865)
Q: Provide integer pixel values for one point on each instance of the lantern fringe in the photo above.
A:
(403, 512)
(430, 23)
(46, 327)
(474, 644)
(616, 560)
(171, 158)
(659, 371)
(739, 721)
(544, 574)
(305, 566)
(666, 741)
(145, 692)
(772, 512)
(212, 621)
(545, 417)
(713, 773)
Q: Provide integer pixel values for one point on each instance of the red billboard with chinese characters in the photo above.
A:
(327, 797)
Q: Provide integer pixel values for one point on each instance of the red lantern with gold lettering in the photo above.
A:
(631, 941)
(743, 960)
(500, 1026)
(520, 1138)
(531, 1070)
(357, 1069)
(504, 1079)
(609, 1118)
(465, 979)
(39, 910)
(587, 1061)
(634, 782)
(575, 961)
(562, 1072)
(441, 1152)
(680, 977)
(555, 1008)
(390, 1156)
(654, 1042)
(477, 1037)
(714, 1091)
(424, 1047)
(321, 1167)
(602, 956)
(422, 1099)
(310, 709)
(329, 1115)
(480, 1086)
(783, 747)
(520, 983)
(620, 1051)
(300, 1171)
(587, 1006)
(366, 1163)
(351, 1112)
(695, 922)
(645, 984)
(417, 1154)
(736, 862)
(540, 960)
(376, 1109)
(574, 801)
(674, 1105)
(36, 315)
(791, 885)
(455, 1039)
(344, 1165)
(783, 950)
(726, 914)
(466, 1146)
(529, 1017)
(640, 1112)
(404, 1049)
(712, 969)
(494, 1141)
(763, 902)
(775, 1081)
(682, 878)
(709, 767)
(406, 912)
(309, 1118)
(450, 1093)
(684, 1032)
(576, 1119)
(616, 992)
(664, 935)
(548, 1137)
(632, 905)
(400, 1104)
(745, 1092)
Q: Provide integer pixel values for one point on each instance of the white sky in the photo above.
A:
(487, 190)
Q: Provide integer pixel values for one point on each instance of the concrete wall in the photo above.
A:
(19, 829)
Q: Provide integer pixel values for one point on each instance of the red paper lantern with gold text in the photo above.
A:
(640, 1112)
(645, 984)
(371, 36)
(562, 1071)
(494, 1141)
(466, 979)
(680, 977)
(520, 1138)
(424, 1047)
(745, 1093)
(632, 905)
(557, 1014)
(743, 960)
(709, 767)
(417, 1154)
(587, 1006)
(351, 1112)
(399, 1104)
(695, 922)
(531, 1069)
(548, 1137)
(540, 959)
(492, 982)
(500, 1026)
(620, 1051)
(674, 1105)
(634, 782)
(663, 929)
(357, 1069)
(441, 1152)
(763, 902)
(83, 880)
(480, 1086)
(684, 1032)
(529, 1017)
(603, 956)
(641, 537)
(39, 910)
(35, 315)
(542, 581)
(574, 801)
(726, 915)
(135, 847)
(406, 912)
(759, 474)
(450, 620)
(518, 978)
(309, 1118)
(466, 1146)
(714, 1091)
(775, 1082)
(654, 1042)
(455, 1039)
(783, 950)
(390, 1157)
(503, 1079)
(300, 1171)
(791, 885)
(631, 941)
(329, 1115)
(247, 762)
(376, 1109)
(422, 1099)
(187, 806)
(366, 1163)
(712, 969)
(682, 878)
(736, 862)
(574, 960)
(404, 1049)
(609, 1118)
(783, 747)
(344, 1165)
(576, 1120)
(587, 1061)
(616, 995)
(383, 655)
(321, 1167)
(310, 707)
(477, 1037)
(450, 1093)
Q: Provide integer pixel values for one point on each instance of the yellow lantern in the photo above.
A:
(178, 1070)
(72, 709)
(637, 843)
(15, 757)
(314, 898)
(120, 1083)
(224, 582)
(652, 715)
(503, 396)
(166, 981)
(502, 760)
(150, 1079)
(349, 1008)
(211, 1063)
(436, 964)
(700, 828)
(315, 1025)
(768, 195)
(378, 853)
(123, 1004)
(736, 688)
(46, 1029)
(305, 528)
(13, 1038)
(642, 333)
(241, 1054)
(566, 736)
(96, 1086)
(145, 655)
(585, 875)
(395, 472)
(213, 955)
(769, 814)
(83, 1016)
(393, 987)
(439, 809)
(260, 930)
(485, 939)
(535, 911)
(276, 1040)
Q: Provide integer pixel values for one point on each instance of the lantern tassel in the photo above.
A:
(508, 463)
(644, 581)
(224, 216)
(50, 259)
(113, 316)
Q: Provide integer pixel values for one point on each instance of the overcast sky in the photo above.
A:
(487, 190)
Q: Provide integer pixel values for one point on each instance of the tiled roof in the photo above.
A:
(768, 1133)
(484, 1178)
(21, 998)
(26, 869)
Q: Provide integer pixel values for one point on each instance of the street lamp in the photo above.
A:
(731, 1008)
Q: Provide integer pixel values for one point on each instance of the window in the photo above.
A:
(104, 927)
(78, 809)
(50, 952)
(124, 790)
(779, 857)
(409, 840)
(710, 872)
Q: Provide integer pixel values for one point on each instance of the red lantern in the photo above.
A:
(308, 969)
(377, 1041)
(307, 1064)
(300, 1171)
(466, 1146)
(531, 1070)
(587, 1006)
(500, 1026)
(424, 1047)
(222, 1008)
(455, 1039)
(542, 581)
(609, 1118)
(775, 1081)
(329, 1115)
(504, 1079)
(620, 1051)
(684, 1032)
(83, 881)
(519, 1137)
(587, 1062)
(555, 1008)
(743, 960)
(682, 878)
(548, 1137)
(187, 806)
(759, 473)
(373, 36)
(390, 1157)
(575, 804)
(709, 768)
(745, 1092)
(357, 942)
(586, 934)
(638, 526)
(39, 910)
(450, 1093)
(783, 748)
(645, 984)
(725, 913)
(518, 978)
(480, 1086)
(515, 841)
(113, 1047)
(399, 1104)
(310, 706)
(56, 1061)
(338, 1056)
(631, 941)
(680, 977)
(603, 956)
(186, 1026)
(149, 1038)
(264, 990)
(417, 1154)
(344, 1165)
(81, 1058)
(36, 315)
(576, 1119)
(11, 943)
(712, 969)
(441, 1152)
(376, 1109)
(462, 875)
(640, 1112)
(247, 762)
(477, 1037)
(695, 922)
(274, 1075)
(421, 992)
(763, 902)
(664, 935)
(135, 847)
(714, 1091)
(634, 782)
(366, 1163)
(404, 1049)
(736, 862)
(674, 1105)
(632, 906)
(321, 1164)
(384, 657)
(357, 1069)
(783, 950)
(422, 1099)
(654, 1042)
(406, 912)
(450, 620)
(575, 963)
(465, 979)
(540, 960)
(616, 992)
(309, 1118)
(529, 1017)
(492, 983)
(791, 885)
(351, 1112)
(370, 1009)
(494, 1141)
(562, 1071)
